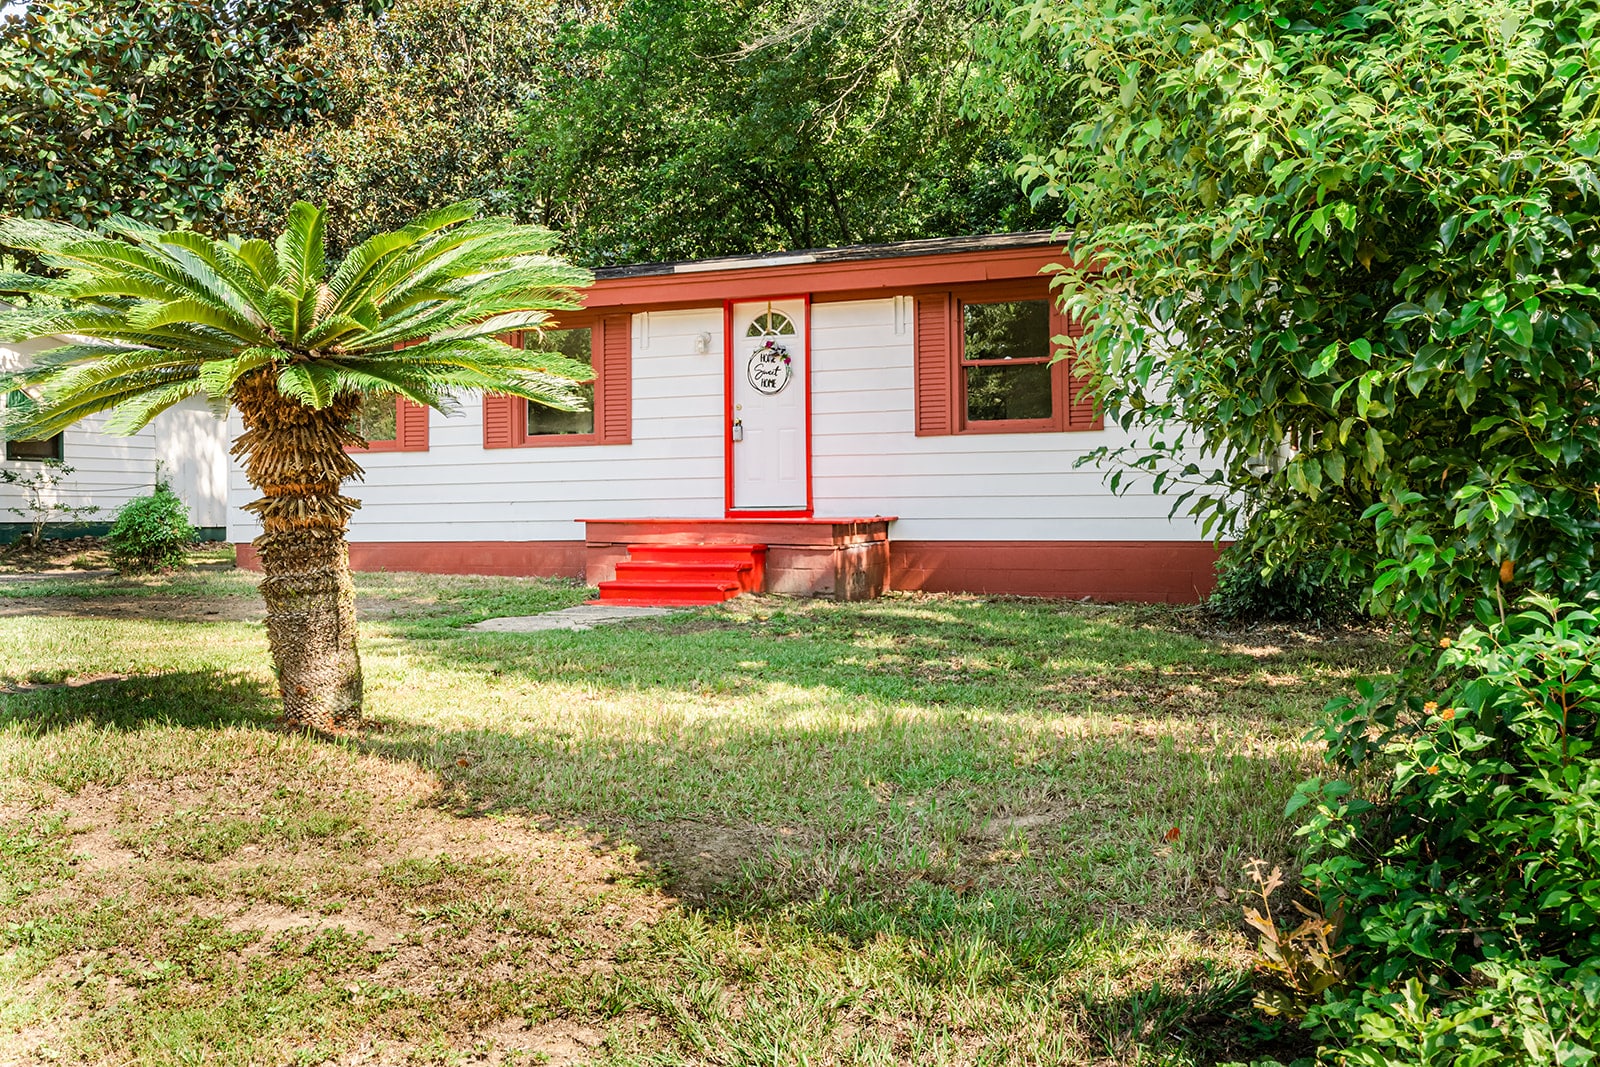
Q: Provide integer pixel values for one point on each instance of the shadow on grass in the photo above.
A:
(953, 653)
(647, 793)
(198, 699)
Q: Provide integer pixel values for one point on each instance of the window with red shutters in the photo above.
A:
(391, 423)
(984, 364)
(606, 343)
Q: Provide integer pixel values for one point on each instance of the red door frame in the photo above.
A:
(729, 511)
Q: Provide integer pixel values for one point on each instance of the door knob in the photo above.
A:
(738, 429)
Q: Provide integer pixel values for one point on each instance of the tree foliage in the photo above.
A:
(687, 128)
(292, 341)
(1348, 251)
(1474, 880)
(135, 107)
(1368, 231)
(418, 108)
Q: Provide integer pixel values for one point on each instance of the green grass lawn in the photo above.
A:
(923, 830)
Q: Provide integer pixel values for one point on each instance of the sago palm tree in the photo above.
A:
(294, 343)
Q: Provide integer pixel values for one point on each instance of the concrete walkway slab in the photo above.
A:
(582, 617)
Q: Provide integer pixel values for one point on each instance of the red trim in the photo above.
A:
(701, 525)
(1180, 572)
(544, 559)
(729, 510)
(1172, 571)
(825, 281)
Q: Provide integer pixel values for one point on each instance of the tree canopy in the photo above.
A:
(1363, 236)
(417, 107)
(136, 108)
(684, 128)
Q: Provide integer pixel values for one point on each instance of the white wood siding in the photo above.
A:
(110, 469)
(867, 459)
(460, 491)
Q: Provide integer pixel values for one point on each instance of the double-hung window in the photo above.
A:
(985, 362)
(605, 344)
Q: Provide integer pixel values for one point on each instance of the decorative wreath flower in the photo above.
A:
(777, 350)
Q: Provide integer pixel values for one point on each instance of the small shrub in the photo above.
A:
(1248, 590)
(1294, 964)
(1471, 880)
(152, 533)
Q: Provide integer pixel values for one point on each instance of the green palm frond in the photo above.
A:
(313, 384)
(156, 316)
(219, 376)
(300, 250)
(260, 257)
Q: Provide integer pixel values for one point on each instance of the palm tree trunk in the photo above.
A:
(295, 456)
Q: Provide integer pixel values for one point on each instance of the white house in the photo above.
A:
(835, 422)
(189, 441)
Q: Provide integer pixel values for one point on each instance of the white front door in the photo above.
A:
(769, 406)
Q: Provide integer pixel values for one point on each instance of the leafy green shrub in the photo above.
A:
(1250, 590)
(1471, 883)
(152, 533)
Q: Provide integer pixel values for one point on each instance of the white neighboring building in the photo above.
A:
(867, 418)
(190, 441)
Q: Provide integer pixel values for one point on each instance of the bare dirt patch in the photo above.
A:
(696, 858)
(413, 912)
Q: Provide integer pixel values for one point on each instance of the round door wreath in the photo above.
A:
(770, 368)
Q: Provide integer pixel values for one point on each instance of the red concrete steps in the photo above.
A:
(674, 574)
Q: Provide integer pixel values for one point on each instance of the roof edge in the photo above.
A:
(929, 246)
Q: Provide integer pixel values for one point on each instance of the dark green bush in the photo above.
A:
(1302, 591)
(152, 533)
(1470, 884)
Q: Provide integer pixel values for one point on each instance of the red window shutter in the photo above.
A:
(934, 364)
(411, 427)
(500, 412)
(1083, 411)
(499, 420)
(613, 393)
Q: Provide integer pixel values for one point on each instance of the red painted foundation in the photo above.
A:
(1175, 572)
(546, 559)
(847, 562)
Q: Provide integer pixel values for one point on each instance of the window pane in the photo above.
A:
(574, 344)
(37, 449)
(543, 421)
(770, 324)
(48, 448)
(995, 393)
(1016, 330)
(375, 419)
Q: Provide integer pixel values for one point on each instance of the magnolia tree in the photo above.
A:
(293, 343)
